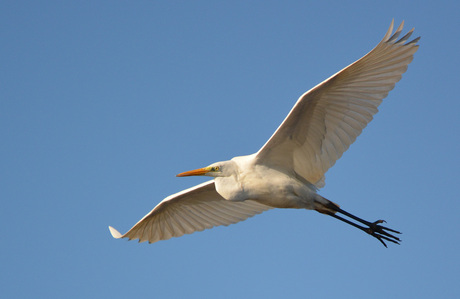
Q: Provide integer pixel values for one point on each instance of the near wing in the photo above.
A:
(326, 120)
(188, 211)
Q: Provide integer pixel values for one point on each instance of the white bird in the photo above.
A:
(289, 169)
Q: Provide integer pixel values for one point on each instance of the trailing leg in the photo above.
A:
(374, 229)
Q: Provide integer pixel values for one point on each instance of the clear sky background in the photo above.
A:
(102, 103)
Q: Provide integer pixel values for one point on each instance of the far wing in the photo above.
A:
(188, 211)
(326, 120)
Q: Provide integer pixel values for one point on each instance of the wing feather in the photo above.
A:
(327, 119)
(194, 209)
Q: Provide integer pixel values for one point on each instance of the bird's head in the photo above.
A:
(218, 169)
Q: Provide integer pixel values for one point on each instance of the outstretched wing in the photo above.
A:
(188, 211)
(326, 120)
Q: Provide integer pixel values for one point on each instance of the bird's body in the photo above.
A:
(247, 179)
(289, 169)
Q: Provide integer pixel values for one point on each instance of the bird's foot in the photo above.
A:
(381, 232)
(375, 229)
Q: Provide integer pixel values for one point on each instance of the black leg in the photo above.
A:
(374, 229)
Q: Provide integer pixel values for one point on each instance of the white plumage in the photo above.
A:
(188, 211)
(287, 171)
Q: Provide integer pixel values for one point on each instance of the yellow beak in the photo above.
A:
(199, 171)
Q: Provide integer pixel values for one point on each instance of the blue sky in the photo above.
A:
(102, 103)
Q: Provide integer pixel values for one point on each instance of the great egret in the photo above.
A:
(288, 170)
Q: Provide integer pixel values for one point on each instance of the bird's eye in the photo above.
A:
(216, 168)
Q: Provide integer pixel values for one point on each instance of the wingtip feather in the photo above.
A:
(116, 234)
(390, 30)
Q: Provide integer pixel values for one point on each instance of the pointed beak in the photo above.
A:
(200, 171)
